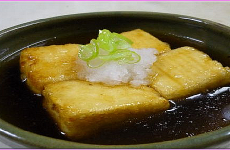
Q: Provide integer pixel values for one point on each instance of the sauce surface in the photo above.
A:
(194, 115)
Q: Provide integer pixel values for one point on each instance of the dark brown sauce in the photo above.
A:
(191, 116)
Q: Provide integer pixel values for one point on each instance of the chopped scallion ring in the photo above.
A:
(107, 47)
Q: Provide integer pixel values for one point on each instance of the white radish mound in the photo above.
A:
(112, 73)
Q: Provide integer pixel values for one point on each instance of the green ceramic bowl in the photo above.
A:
(19, 113)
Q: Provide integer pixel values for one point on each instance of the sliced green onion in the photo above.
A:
(122, 56)
(95, 63)
(121, 42)
(132, 58)
(104, 40)
(107, 47)
(89, 51)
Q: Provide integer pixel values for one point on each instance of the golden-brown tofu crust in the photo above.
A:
(186, 71)
(82, 108)
(142, 39)
(48, 64)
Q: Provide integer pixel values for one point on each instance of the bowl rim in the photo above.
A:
(32, 139)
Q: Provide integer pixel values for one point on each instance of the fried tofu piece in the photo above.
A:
(142, 39)
(48, 64)
(81, 108)
(186, 71)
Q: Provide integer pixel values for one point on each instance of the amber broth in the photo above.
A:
(191, 116)
(194, 115)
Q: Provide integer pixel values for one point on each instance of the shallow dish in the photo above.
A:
(19, 114)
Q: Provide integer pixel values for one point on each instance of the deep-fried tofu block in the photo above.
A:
(49, 64)
(82, 108)
(186, 71)
(142, 39)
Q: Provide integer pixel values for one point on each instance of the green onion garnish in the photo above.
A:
(107, 47)
(89, 51)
